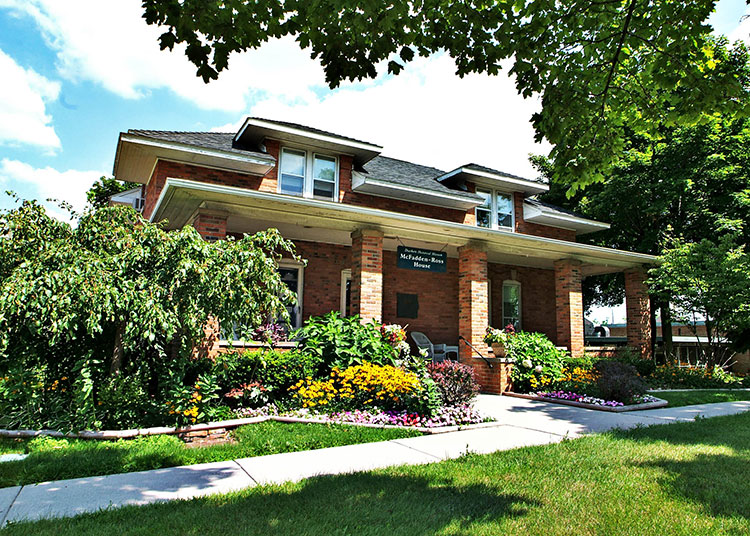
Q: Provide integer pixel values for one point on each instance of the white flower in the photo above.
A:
(526, 363)
(538, 368)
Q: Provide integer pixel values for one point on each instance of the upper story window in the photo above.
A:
(308, 174)
(497, 210)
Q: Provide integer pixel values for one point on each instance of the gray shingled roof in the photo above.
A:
(485, 169)
(220, 141)
(405, 173)
(312, 130)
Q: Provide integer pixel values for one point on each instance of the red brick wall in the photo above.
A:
(537, 290)
(437, 294)
(569, 305)
(211, 227)
(165, 169)
(638, 310)
(367, 275)
(473, 302)
(535, 229)
(321, 292)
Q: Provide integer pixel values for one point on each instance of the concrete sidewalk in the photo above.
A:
(521, 423)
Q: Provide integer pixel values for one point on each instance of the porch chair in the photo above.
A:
(436, 352)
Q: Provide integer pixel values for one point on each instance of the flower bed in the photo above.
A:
(446, 416)
(590, 402)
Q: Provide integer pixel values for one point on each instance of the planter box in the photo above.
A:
(498, 349)
(619, 409)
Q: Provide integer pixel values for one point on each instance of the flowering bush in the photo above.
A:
(366, 385)
(577, 378)
(189, 404)
(499, 336)
(455, 382)
(445, 416)
(535, 357)
(248, 395)
(271, 333)
(674, 377)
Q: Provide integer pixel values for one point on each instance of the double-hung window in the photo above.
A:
(308, 174)
(496, 212)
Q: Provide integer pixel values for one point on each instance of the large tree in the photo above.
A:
(117, 294)
(691, 183)
(599, 66)
(103, 189)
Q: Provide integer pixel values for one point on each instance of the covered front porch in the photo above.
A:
(489, 277)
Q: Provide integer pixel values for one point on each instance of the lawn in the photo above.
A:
(680, 479)
(701, 396)
(54, 459)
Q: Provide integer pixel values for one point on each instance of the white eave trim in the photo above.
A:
(402, 191)
(192, 149)
(306, 134)
(530, 186)
(535, 214)
(478, 232)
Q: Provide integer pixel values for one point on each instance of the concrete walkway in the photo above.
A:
(521, 423)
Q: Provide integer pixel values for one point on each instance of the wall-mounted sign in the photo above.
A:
(421, 259)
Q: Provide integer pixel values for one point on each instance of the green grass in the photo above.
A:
(680, 479)
(701, 396)
(54, 459)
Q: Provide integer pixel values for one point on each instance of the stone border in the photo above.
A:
(112, 435)
(722, 389)
(619, 409)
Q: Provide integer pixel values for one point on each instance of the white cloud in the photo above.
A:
(24, 94)
(110, 44)
(427, 115)
(43, 183)
(742, 31)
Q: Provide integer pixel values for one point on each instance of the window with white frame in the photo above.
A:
(308, 174)
(496, 212)
(512, 304)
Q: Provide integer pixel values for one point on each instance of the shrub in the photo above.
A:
(577, 379)
(536, 358)
(456, 383)
(674, 377)
(272, 370)
(618, 381)
(644, 367)
(343, 342)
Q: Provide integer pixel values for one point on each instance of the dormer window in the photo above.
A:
(308, 174)
(496, 212)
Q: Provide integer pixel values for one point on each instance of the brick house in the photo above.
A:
(447, 253)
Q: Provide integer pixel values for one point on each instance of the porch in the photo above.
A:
(489, 277)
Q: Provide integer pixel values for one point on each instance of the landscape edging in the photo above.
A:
(619, 409)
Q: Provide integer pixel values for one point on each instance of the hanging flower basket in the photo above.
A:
(498, 349)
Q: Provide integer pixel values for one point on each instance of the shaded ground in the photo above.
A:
(56, 459)
(681, 479)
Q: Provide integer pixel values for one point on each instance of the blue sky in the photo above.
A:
(76, 73)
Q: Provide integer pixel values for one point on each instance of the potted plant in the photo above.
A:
(497, 339)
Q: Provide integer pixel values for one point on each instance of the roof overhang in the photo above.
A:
(137, 155)
(255, 131)
(180, 199)
(496, 180)
(538, 214)
(362, 183)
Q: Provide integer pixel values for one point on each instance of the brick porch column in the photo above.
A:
(212, 226)
(473, 300)
(569, 305)
(638, 311)
(367, 274)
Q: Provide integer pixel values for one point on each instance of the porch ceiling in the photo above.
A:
(306, 219)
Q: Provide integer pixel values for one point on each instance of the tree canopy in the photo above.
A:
(118, 293)
(600, 67)
(692, 183)
(100, 192)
